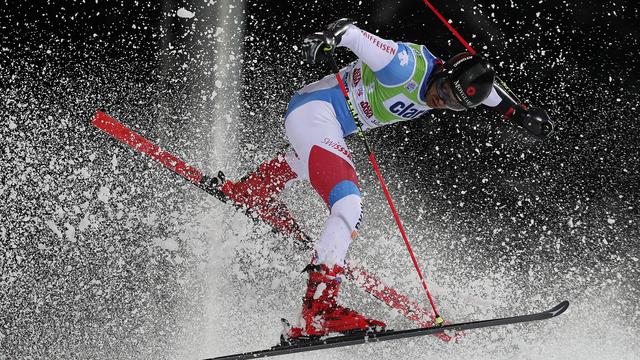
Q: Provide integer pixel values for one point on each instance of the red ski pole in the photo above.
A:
(453, 31)
(438, 319)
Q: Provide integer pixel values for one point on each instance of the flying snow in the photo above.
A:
(184, 13)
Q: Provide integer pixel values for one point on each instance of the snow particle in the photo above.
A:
(167, 244)
(84, 223)
(84, 173)
(114, 163)
(184, 13)
(54, 228)
(104, 194)
(70, 232)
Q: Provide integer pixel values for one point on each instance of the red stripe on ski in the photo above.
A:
(112, 127)
(368, 282)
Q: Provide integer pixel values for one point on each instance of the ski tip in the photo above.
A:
(100, 117)
(100, 111)
(96, 115)
(559, 309)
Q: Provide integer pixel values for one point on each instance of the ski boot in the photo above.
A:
(255, 189)
(260, 187)
(213, 185)
(321, 314)
(256, 194)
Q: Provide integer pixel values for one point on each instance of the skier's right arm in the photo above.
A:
(387, 58)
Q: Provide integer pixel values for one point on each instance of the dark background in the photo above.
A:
(562, 213)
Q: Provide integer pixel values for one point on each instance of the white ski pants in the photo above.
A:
(315, 126)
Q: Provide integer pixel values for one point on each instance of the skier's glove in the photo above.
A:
(318, 47)
(535, 120)
(321, 45)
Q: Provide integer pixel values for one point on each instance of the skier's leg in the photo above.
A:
(335, 180)
(319, 144)
(324, 158)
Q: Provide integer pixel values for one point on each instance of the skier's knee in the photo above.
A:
(342, 190)
(348, 209)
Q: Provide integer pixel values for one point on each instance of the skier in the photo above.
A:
(390, 82)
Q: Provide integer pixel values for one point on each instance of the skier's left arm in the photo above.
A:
(533, 119)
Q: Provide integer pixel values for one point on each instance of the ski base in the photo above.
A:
(356, 339)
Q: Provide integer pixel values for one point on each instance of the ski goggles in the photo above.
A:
(443, 88)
